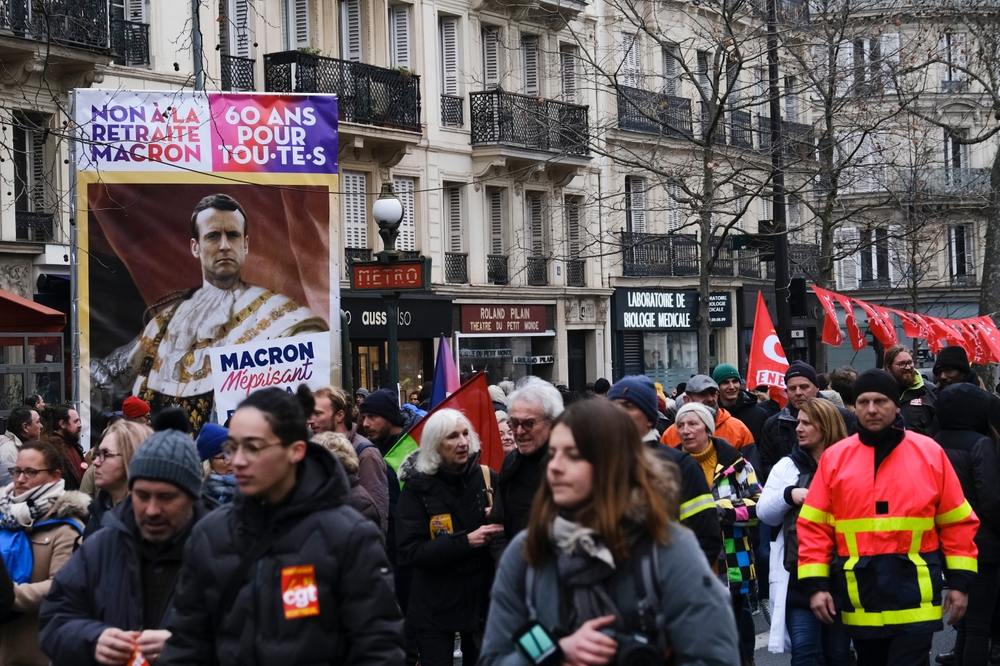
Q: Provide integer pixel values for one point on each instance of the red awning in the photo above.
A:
(19, 315)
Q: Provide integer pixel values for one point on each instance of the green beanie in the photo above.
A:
(724, 372)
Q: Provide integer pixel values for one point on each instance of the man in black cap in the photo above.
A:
(952, 367)
(778, 435)
(381, 418)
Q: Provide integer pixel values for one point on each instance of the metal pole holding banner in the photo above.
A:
(391, 299)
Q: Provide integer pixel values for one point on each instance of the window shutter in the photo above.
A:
(399, 16)
(970, 257)
(794, 221)
(633, 356)
(496, 222)
(37, 184)
(959, 54)
(567, 61)
(407, 239)
(631, 61)
(637, 205)
(529, 48)
(454, 195)
(491, 57)
(301, 24)
(845, 68)
(573, 235)
(355, 186)
(763, 92)
(675, 215)
(449, 55)
(704, 80)
(351, 46)
(890, 61)
(135, 11)
(670, 68)
(536, 229)
(897, 256)
(849, 268)
(821, 70)
(791, 102)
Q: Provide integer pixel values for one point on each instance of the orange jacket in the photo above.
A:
(880, 536)
(727, 427)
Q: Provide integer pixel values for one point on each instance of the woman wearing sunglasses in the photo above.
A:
(39, 514)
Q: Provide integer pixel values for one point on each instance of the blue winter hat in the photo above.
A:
(210, 440)
(639, 390)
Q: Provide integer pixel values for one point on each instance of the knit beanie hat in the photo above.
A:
(602, 386)
(802, 369)
(168, 455)
(877, 380)
(210, 440)
(497, 394)
(134, 407)
(701, 411)
(639, 390)
(724, 372)
(952, 357)
(384, 403)
(363, 392)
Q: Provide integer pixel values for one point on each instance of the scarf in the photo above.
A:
(584, 567)
(221, 487)
(21, 511)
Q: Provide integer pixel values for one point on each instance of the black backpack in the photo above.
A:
(789, 527)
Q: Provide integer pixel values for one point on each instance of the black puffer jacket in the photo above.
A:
(520, 476)
(918, 405)
(451, 579)
(358, 620)
(963, 415)
(747, 409)
(778, 437)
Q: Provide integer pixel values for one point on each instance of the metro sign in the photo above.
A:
(400, 275)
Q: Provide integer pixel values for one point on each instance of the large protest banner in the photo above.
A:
(204, 224)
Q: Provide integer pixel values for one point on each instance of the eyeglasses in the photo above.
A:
(27, 471)
(527, 424)
(251, 449)
(903, 365)
(220, 458)
(103, 455)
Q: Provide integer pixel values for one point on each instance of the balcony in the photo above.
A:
(963, 280)
(538, 271)
(456, 267)
(529, 123)
(706, 122)
(496, 269)
(949, 182)
(367, 95)
(576, 273)
(653, 113)
(130, 43)
(954, 86)
(803, 261)
(355, 254)
(237, 73)
(874, 283)
(452, 111)
(659, 255)
(740, 129)
(75, 23)
(798, 139)
(33, 227)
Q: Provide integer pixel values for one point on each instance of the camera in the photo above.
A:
(636, 649)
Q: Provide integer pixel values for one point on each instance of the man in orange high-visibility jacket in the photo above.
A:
(884, 516)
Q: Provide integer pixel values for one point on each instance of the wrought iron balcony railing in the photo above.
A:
(719, 138)
(653, 113)
(76, 23)
(740, 129)
(966, 280)
(502, 118)
(456, 267)
(538, 271)
(954, 86)
(237, 73)
(646, 255)
(130, 43)
(355, 254)
(797, 139)
(803, 261)
(874, 283)
(34, 227)
(576, 273)
(452, 111)
(367, 95)
(948, 181)
(496, 269)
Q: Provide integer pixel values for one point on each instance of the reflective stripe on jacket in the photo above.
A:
(890, 529)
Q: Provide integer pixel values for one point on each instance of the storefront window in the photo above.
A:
(670, 357)
(411, 367)
(506, 358)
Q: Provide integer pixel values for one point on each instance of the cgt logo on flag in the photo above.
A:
(299, 592)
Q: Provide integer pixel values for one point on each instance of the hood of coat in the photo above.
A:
(73, 504)
(743, 400)
(964, 407)
(408, 468)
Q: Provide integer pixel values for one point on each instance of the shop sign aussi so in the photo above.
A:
(653, 309)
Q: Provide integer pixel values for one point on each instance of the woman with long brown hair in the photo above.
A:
(603, 568)
(793, 624)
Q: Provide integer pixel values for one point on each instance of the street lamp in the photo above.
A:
(388, 213)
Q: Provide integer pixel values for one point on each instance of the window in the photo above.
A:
(793, 221)
(675, 214)
(135, 10)
(847, 262)
(765, 208)
(704, 79)
(351, 45)
(635, 204)
(574, 228)
(453, 216)
(762, 90)
(956, 154)
(866, 66)
(32, 185)
(491, 57)
(739, 200)
(355, 186)
(494, 198)
(234, 27)
(631, 70)
(529, 55)
(296, 25)
(536, 224)
(567, 67)
(960, 255)
(875, 258)
(671, 67)
(405, 187)
(733, 81)
(791, 101)
(449, 55)
(399, 35)
(881, 260)
(953, 61)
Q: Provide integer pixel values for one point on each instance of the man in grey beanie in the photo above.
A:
(93, 607)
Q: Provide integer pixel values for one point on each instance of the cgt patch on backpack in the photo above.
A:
(15, 546)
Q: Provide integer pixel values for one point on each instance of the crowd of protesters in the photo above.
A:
(624, 526)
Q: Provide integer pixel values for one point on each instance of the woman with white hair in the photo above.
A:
(442, 532)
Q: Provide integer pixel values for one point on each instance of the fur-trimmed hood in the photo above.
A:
(667, 479)
(408, 468)
(73, 504)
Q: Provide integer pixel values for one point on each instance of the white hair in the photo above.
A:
(439, 425)
(538, 392)
(506, 386)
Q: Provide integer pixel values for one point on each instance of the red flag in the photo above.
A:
(884, 331)
(973, 345)
(912, 326)
(857, 337)
(989, 335)
(768, 363)
(831, 325)
(473, 400)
